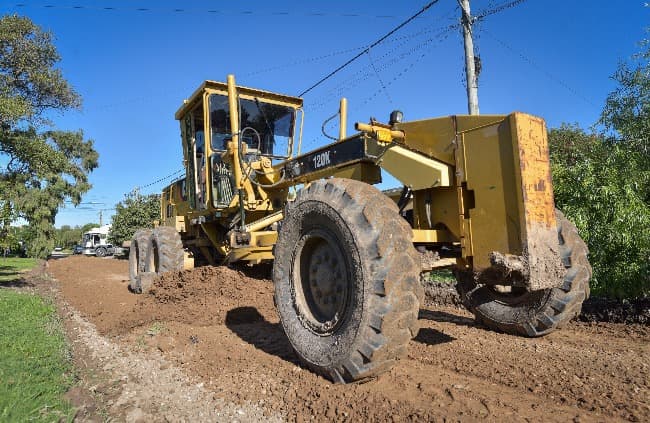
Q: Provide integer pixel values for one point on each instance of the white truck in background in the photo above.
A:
(95, 242)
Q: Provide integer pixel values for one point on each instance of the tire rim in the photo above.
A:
(321, 282)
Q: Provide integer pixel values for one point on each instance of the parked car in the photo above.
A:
(78, 249)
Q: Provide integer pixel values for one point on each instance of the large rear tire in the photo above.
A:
(165, 251)
(346, 280)
(534, 313)
(137, 256)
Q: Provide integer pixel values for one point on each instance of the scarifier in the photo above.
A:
(347, 259)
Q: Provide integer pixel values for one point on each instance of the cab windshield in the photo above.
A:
(266, 128)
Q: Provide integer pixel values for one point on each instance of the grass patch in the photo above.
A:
(35, 370)
(11, 268)
(443, 276)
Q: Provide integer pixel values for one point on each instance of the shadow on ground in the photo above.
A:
(10, 278)
(444, 317)
(252, 327)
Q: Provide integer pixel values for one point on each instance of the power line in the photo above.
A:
(367, 72)
(498, 9)
(546, 73)
(170, 176)
(367, 49)
(178, 10)
(439, 33)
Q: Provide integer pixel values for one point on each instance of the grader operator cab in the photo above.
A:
(347, 259)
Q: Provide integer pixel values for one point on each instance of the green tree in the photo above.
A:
(627, 109)
(135, 212)
(89, 226)
(602, 182)
(68, 237)
(44, 166)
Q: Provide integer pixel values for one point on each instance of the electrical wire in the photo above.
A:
(374, 44)
(178, 10)
(164, 178)
(538, 67)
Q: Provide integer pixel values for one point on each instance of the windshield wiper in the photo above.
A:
(266, 121)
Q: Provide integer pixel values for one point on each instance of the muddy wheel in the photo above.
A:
(346, 280)
(137, 256)
(539, 312)
(165, 251)
(100, 252)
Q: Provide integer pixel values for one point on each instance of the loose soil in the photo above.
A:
(207, 345)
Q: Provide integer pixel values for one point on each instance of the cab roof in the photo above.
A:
(295, 102)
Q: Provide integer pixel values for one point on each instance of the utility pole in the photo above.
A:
(470, 69)
(100, 218)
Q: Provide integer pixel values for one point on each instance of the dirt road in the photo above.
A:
(216, 331)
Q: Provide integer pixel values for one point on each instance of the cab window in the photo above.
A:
(266, 128)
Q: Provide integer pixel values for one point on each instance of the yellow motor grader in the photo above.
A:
(347, 259)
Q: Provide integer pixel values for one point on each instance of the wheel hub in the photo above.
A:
(321, 295)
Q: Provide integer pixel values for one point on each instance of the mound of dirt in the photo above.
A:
(440, 293)
(202, 296)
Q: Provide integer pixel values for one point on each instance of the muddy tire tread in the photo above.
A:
(391, 265)
(168, 243)
(558, 306)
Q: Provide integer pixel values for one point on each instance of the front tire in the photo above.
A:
(346, 280)
(100, 252)
(534, 313)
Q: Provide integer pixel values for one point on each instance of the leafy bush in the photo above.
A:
(600, 187)
(602, 183)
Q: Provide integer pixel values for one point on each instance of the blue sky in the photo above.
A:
(133, 67)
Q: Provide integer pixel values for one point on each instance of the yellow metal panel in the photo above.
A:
(433, 137)
(188, 261)
(415, 170)
(507, 173)
(264, 238)
(494, 223)
(254, 254)
(431, 235)
(535, 174)
(444, 210)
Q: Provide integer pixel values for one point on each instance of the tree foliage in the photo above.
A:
(44, 166)
(627, 110)
(135, 212)
(602, 182)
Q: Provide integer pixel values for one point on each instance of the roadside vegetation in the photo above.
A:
(35, 371)
(601, 178)
(135, 212)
